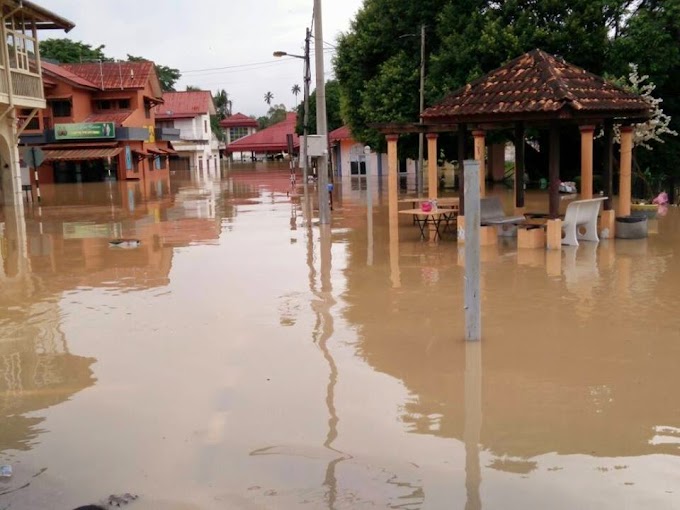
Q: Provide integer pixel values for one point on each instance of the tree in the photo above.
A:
(268, 98)
(377, 61)
(67, 51)
(276, 114)
(167, 76)
(222, 103)
(649, 36)
(192, 88)
(295, 90)
(333, 113)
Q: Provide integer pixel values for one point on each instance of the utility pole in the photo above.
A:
(305, 131)
(321, 126)
(420, 176)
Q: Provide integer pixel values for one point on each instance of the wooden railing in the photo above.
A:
(3, 81)
(26, 84)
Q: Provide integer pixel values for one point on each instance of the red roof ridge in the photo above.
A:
(187, 103)
(270, 139)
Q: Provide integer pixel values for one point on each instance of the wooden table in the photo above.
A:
(445, 202)
(433, 217)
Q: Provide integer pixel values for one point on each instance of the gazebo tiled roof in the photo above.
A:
(537, 86)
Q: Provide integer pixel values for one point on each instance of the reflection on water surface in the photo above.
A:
(239, 358)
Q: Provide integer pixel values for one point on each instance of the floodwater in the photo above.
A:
(239, 359)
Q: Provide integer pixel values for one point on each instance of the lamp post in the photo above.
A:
(419, 172)
(305, 121)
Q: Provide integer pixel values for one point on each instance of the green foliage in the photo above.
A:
(377, 62)
(167, 76)
(333, 110)
(268, 98)
(67, 51)
(276, 114)
(192, 88)
(222, 103)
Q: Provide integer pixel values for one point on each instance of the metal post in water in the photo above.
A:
(473, 316)
(369, 206)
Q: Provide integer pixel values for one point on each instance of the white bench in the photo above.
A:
(491, 213)
(581, 214)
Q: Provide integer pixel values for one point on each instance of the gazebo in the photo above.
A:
(541, 91)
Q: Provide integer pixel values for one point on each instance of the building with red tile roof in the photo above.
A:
(270, 140)
(100, 123)
(190, 111)
(236, 127)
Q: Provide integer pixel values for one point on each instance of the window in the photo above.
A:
(147, 109)
(123, 104)
(237, 132)
(34, 123)
(61, 108)
(205, 126)
(102, 104)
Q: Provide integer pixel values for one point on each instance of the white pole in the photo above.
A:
(473, 321)
(321, 127)
(369, 206)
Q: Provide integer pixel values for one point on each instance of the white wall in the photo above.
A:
(194, 129)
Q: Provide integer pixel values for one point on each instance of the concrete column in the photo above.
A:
(392, 174)
(432, 181)
(625, 177)
(554, 234)
(480, 155)
(587, 161)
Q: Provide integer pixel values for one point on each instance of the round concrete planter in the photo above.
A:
(645, 210)
(631, 227)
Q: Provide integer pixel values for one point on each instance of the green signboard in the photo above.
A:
(84, 130)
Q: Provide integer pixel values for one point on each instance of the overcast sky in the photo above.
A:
(193, 35)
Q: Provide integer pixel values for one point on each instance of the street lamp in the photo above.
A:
(305, 120)
(419, 173)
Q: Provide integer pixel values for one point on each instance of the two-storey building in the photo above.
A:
(100, 123)
(21, 83)
(190, 112)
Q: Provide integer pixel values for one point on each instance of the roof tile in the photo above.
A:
(535, 83)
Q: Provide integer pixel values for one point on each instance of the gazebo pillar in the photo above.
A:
(587, 161)
(480, 156)
(554, 228)
(519, 168)
(392, 175)
(625, 175)
(460, 229)
(432, 182)
(608, 217)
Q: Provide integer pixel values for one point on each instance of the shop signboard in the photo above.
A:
(84, 130)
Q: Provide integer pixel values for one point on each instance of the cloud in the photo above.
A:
(204, 34)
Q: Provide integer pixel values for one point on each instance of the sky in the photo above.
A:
(199, 36)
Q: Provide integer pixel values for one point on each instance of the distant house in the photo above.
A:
(190, 112)
(348, 155)
(270, 141)
(236, 127)
(99, 123)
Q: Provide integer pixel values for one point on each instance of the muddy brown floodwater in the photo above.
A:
(239, 359)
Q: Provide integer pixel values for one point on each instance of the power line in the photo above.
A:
(277, 61)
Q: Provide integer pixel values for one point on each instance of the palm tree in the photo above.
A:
(295, 90)
(268, 98)
(222, 103)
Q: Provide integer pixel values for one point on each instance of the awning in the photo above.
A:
(154, 150)
(169, 151)
(79, 145)
(141, 153)
(80, 154)
(67, 97)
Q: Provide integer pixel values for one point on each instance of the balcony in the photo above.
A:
(167, 134)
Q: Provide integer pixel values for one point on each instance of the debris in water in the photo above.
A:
(6, 471)
(125, 243)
